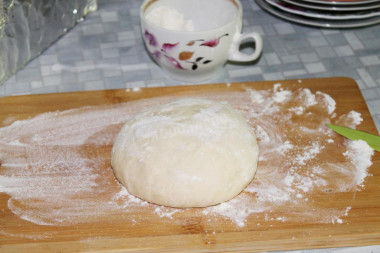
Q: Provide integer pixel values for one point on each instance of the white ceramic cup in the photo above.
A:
(191, 40)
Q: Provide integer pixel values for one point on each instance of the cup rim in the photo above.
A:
(147, 3)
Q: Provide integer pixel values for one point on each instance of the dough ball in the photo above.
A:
(187, 153)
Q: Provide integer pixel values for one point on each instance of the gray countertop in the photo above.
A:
(105, 51)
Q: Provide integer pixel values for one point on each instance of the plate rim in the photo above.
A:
(337, 2)
(332, 8)
(337, 24)
(321, 15)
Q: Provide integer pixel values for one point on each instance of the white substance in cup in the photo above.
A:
(169, 18)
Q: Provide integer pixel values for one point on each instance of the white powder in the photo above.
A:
(284, 147)
(229, 210)
(330, 102)
(280, 95)
(128, 199)
(347, 210)
(169, 18)
(262, 135)
(308, 153)
(308, 97)
(352, 119)
(257, 97)
(297, 110)
(55, 163)
(356, 117)
(359, 153)
(166, 212)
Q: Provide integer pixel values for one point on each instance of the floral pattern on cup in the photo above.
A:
(184, 57)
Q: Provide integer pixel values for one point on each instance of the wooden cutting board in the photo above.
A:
(35, 221)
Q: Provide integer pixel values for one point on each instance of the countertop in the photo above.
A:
(105, 51)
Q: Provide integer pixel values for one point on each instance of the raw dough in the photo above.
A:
(188, 153)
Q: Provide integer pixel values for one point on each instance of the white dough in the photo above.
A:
(187, 153)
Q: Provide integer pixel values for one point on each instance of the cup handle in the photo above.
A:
(234, 52)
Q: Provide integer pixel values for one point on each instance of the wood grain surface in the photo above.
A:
(190, 231)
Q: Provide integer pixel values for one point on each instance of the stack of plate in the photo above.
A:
(326, 13)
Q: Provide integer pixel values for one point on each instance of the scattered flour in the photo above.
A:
(359, 153)
(280, 95)
(351, 119)
(257, 98)
(355, 116)
(308, 153)
(262, 135)
(308, 97)
(299, 110)
(330, 102)
(52, 165)
(165, 211)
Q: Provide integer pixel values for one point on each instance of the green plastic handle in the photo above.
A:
(372, 140)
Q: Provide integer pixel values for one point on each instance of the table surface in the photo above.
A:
(105, 51)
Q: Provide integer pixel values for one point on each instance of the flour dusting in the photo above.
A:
(52, 165)
(359, 153)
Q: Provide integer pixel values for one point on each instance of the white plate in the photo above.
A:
(337, 2)
(371, 6)
(318, 22)
(314, 14)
